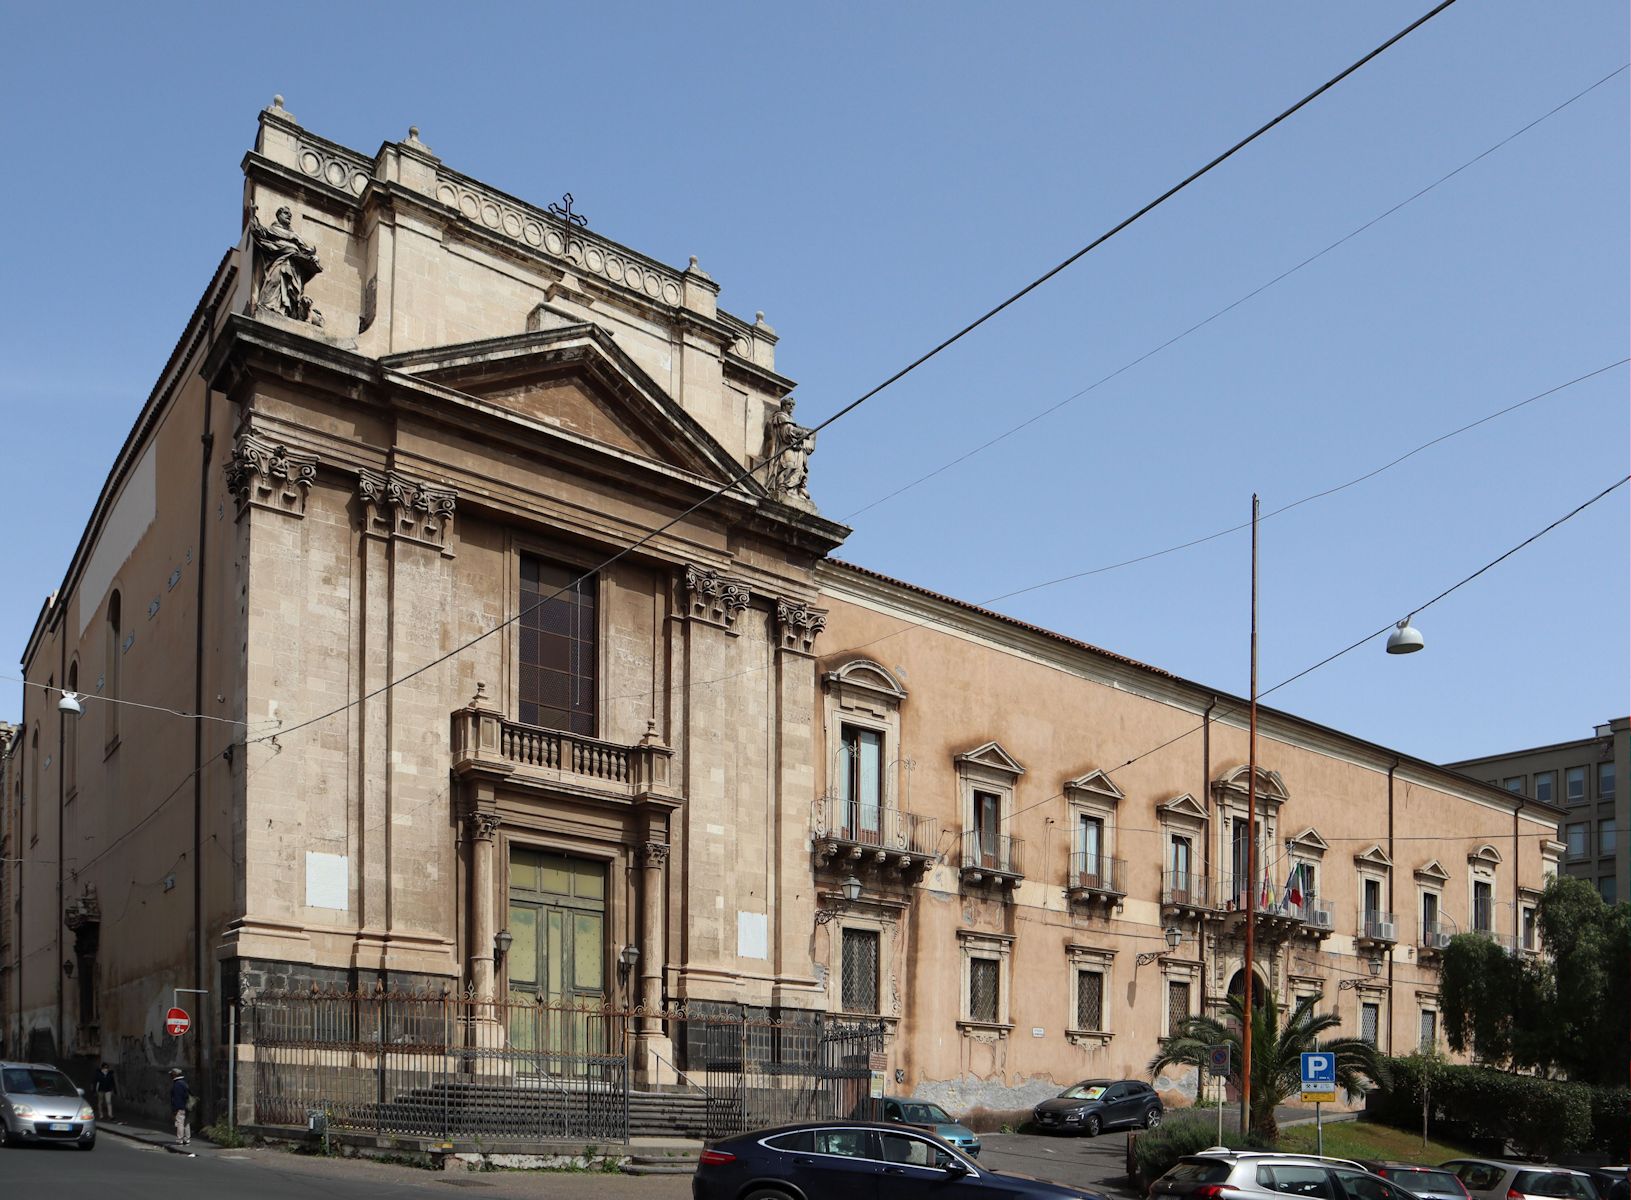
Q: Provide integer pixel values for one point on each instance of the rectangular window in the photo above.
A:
(1483, 902)
(1545, 781)
(558, 647)
(1369, 1018)
(1429, 913)
(1183, 857)
(860, 783)
(1429, 1030)
(1373, 899)
(1090, 1000)
(1513, 783)
(988, 828)
(1090, 843)
(1177, 1005)
(860, 970)
(1529, 929)
(1606, 839)
(1605, 781)
(1606, 889)
(983, 994)
(1577, 836)
(1574, 784)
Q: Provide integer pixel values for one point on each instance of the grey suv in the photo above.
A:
(38, 1103)
(1250, 1175)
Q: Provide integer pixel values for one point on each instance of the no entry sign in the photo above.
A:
(177, 1022)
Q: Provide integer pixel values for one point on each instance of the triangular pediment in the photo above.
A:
(992, 757)
(1182, 808)
(1096, 782)
(577, 380)
(1311, 841)
(1375, 856)
(1432, 871)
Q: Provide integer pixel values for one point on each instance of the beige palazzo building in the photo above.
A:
(493, 692)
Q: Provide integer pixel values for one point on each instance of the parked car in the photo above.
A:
(1430, 1183)
(1096, 1104)
(38, 1103)
(855, 1158)
(903, 1110)
(1606, 1177)
(1222, 1174)
(1496, 1179)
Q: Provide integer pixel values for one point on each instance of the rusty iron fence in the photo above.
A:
(454, 1067)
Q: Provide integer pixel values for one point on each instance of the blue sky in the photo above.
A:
(874, 176)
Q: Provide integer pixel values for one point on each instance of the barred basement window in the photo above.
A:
(983, 989)
(1089, 1000)
(1368, 1019)
(1177, 1005)
(860, 970)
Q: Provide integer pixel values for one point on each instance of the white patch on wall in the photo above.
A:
(328, 881)
(752, 935)
(128, 519)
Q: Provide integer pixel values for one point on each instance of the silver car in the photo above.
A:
(1496, 1179)
(38, 1103)
(1221, 1174)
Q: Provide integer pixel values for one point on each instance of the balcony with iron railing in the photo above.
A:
(1096, 878)
(1434, 939)
(485, 742)
(851, 831)
(1377, 928)
(1504, 940)
(1185, 894)
(1318, 916)
(1276, 915)
(992, 859)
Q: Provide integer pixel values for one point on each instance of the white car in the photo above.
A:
(38, 1103)
(1494, 1179)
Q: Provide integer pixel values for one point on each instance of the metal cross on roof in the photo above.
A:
(564, 211)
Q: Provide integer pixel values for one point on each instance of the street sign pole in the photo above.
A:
(1319, 1131)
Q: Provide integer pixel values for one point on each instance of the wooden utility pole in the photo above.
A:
(1251, 861)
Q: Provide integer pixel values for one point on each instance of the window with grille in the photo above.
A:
(557, 647)
(860, 970)
(1089, 1000)
(1369, 1015)
(1429, 1030)
(984, 984)
(1177, 1004)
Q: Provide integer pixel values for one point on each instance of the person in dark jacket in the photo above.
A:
(105, 1088)
(180, 1096)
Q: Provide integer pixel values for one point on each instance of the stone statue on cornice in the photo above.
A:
(288, 263)
(791, 444)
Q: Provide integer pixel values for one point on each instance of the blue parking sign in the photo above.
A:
(1319, 1071)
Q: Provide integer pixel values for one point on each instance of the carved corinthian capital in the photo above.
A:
(798, 625)
(483, 824)
(713, 597)
(269, 475)
(654, 854)
(395, 505)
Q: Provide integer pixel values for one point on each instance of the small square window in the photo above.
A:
(1513, 783)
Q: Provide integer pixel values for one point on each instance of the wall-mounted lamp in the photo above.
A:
(68, 967)
(1174, 938)
(851, 890)
(502, 941)
(1373, 964)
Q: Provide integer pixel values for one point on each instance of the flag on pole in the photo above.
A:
(1293, 893)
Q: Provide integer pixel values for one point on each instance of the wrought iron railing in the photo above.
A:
(1091, 872)
(1436, 935)
(1237, 894)
(1001, 855)
(1379, 926)
(1185, 889)
(874, 826)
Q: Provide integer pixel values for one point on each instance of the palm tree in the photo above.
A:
(1276, 1053)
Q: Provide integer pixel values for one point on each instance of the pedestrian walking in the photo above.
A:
(181, 1098)
(105, 1089)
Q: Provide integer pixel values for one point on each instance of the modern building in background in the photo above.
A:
(1588, 778)
(492, 693)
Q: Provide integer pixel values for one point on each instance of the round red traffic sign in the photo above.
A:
(177, 1022)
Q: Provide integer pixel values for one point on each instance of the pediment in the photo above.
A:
(1096, 782)
(1375, 856)
(1310, 840)
(1485, 855)
(1270, 786)
(864, 675)
(578, 380)
(1183, 808)
(992, 757)
(1432, 871)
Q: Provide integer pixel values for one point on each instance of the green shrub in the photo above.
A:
(1546, 1117)
(1611, 1122)
(1156, 1151)
(223, 1135)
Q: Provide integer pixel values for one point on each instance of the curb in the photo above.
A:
(152, 1137)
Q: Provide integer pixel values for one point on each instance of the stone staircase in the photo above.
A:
(509, 1112)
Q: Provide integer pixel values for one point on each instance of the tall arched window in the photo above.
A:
(70, 736)
(110, 678)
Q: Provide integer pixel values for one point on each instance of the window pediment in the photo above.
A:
(1095, 784)
(1271, 788)
(1374, 857)
(1432, 872)
(862, 683)
(990, 757)
(1309, 841)
(1485, 856)
(1184, 809)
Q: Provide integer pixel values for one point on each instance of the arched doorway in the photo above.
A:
(1237, 986)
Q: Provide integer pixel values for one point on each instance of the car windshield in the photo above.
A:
(37, 1081)
(1084, 1091)
(925, 1114)
(1425, 1181)
(1199, 1170)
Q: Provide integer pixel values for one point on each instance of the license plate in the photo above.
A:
(61, 1126)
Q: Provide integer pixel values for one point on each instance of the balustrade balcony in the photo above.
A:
(487, 742)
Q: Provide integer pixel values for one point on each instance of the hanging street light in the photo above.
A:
(1405, 638)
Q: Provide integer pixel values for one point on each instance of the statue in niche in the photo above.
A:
(790, 445)
(288, 264)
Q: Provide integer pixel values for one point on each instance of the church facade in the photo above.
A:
(492, 692)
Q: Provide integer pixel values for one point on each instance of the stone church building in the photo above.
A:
(495, 693)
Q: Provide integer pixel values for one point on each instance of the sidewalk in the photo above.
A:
(154, 1135)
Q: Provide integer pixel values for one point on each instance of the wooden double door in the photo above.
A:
(556, 965)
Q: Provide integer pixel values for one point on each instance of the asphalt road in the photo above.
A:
(1098, 1164)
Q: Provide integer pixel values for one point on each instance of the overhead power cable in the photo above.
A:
(894, 378)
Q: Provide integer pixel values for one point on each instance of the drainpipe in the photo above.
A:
(62, 845)
(1206, 842)
(205, 1030)
(1392, 871)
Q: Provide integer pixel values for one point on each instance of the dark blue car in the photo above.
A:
(855, 1160)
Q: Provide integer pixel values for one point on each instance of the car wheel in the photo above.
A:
(767, 1193)
(1152, 1118)
(88, 1145)
(1092, 1125)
